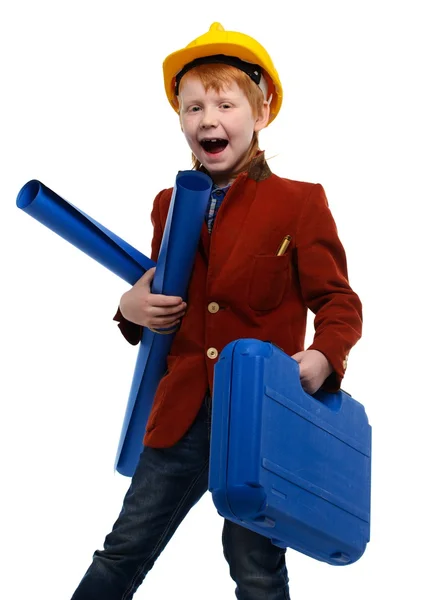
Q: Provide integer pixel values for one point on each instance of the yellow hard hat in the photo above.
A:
(224, 46)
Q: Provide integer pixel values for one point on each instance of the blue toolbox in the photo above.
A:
(293, 467)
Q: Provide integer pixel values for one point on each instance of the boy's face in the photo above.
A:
(218, 126)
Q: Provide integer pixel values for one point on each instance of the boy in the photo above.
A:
(225, 90)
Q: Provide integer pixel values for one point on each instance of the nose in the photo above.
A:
(209, 118)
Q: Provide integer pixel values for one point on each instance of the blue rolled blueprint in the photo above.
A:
(175, 262)
(41, 203)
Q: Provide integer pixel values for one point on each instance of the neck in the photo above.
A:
(222, 180)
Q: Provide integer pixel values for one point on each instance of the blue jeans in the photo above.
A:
(167, 483)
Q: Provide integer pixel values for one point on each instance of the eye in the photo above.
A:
(194, 109)
(225, 105)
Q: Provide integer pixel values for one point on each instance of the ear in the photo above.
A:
(263, 118)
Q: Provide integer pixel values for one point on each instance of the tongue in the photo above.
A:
(215, 147)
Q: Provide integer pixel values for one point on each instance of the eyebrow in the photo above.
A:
(219, 98)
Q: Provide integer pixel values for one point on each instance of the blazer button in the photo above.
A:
(213, 307)
(212, 353)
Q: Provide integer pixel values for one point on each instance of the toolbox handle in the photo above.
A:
(332, 400)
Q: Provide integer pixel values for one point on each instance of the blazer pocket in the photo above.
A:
(269, 278)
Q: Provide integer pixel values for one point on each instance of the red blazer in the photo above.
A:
(240, 289)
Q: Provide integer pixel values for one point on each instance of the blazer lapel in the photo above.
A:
(218, 246)
(204, 242)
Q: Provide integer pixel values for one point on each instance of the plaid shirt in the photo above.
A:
(216, 198)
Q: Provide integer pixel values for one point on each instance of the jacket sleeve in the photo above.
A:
(322, 271)
(131, 331)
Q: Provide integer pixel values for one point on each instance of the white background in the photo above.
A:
(83, 110)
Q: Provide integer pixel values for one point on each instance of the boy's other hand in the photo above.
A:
(139, 305)
(314, 369)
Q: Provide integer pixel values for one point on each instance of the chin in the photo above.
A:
(218, 169)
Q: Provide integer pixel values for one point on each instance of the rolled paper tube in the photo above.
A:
(63, 218)
(175, 262)
(174, 266)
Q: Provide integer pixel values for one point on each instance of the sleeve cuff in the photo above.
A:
(131, 331)
(338, 362)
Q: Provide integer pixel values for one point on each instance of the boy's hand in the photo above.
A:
(314, 369)
(140, 306)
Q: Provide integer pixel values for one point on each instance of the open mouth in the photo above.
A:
(214, 146)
